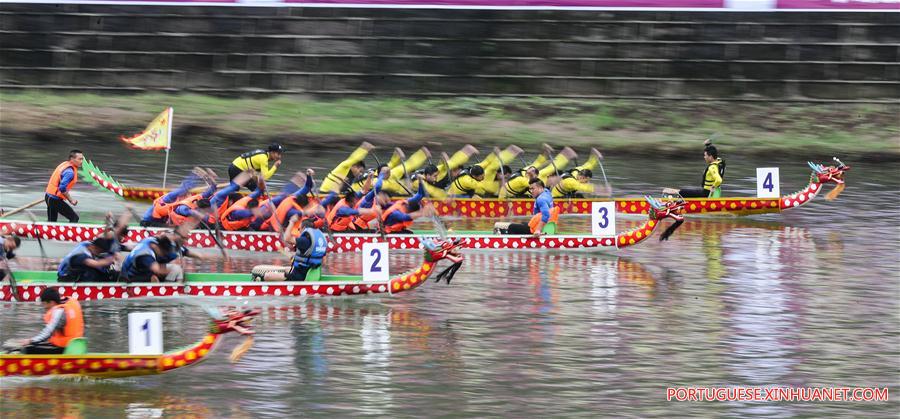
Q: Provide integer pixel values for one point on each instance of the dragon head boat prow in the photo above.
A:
(829, 174)
(438, 249)
(238, 321)
(673, 208)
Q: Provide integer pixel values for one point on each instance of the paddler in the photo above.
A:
(89, 262)
(197, 206)
(291, 204)
(402, 213)
(713, 176)
(150, 260)
(243, 211)
(265, 162)
(545, 214)
(541, 168)
(347, 216)
(158, 213)
(576, 183)
(481, 180)
(63, 320)
(311, 245)
(345, 174)
(59, 188)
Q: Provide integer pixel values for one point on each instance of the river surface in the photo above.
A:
(810, 297)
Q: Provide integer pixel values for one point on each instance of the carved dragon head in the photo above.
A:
(830, 174)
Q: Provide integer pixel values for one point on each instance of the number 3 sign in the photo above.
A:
(767, 183)
(145, 333)
(375, 262)
(603, 219)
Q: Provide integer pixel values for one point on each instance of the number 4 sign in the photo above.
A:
(375, 262)
(767, 183)
(145, 333)
(603, 219)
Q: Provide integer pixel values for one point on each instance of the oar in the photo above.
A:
(22, 208)
(12, 280)
(37, 235)
(603, 171)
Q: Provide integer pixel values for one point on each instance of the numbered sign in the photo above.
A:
(375, 262)
(767, 184)
(145, 333)
(603, 219)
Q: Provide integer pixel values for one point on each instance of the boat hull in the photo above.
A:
(106, 365)
(29, 288)
(269, 241)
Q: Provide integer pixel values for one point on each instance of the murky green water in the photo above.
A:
(804, 298)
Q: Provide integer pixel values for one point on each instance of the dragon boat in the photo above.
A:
(76, 361)
(495, 207)
(270, 241)
(27, 285)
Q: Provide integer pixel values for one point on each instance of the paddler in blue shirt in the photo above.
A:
(545, 214)
(311, 245)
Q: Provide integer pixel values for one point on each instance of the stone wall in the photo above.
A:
(339, 51)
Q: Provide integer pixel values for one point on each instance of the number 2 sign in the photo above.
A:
(767, 182)
(603, 219)
(375, 262)
(145, 333)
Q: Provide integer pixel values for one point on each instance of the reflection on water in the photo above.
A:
(803, 298)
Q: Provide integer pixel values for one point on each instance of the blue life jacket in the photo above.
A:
(312, 256)
(66, 264)
(142, 249)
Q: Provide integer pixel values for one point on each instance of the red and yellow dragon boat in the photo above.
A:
(493, 207)
(270, 241)
(77, 362)
(27, 285)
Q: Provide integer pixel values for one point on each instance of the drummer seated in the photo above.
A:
(89, 262)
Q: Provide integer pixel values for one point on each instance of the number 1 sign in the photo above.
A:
(375, 262)
(145, 333)
(603, 219)
(767, 183)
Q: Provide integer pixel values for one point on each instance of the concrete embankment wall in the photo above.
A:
(341, 51)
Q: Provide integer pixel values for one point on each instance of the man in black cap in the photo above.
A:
(89, 262)
(265, 162)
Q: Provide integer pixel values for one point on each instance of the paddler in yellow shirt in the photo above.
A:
(345, 174)
(541, 168)
(265, 162)
(576, 183)
(481, 180)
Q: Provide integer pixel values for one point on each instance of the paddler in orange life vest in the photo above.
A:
(59, 188)
(158, 213)
(401, 214)
(544, 213)
(63, 320)
(241, 214)
(265, 162)
(349, 214)
(289, 203)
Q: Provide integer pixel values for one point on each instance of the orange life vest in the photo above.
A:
(53, 184)
(336, 223)
(74, 327)
(161, 209)
(281, 211)
(191, 201)
(236, 225)
(393, 228)
(536, 219)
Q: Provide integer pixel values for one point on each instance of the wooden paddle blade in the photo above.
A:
(241, 349)
(835, 192)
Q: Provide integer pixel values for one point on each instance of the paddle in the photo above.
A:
(603, 171)
(22, 208)
(37, 235)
